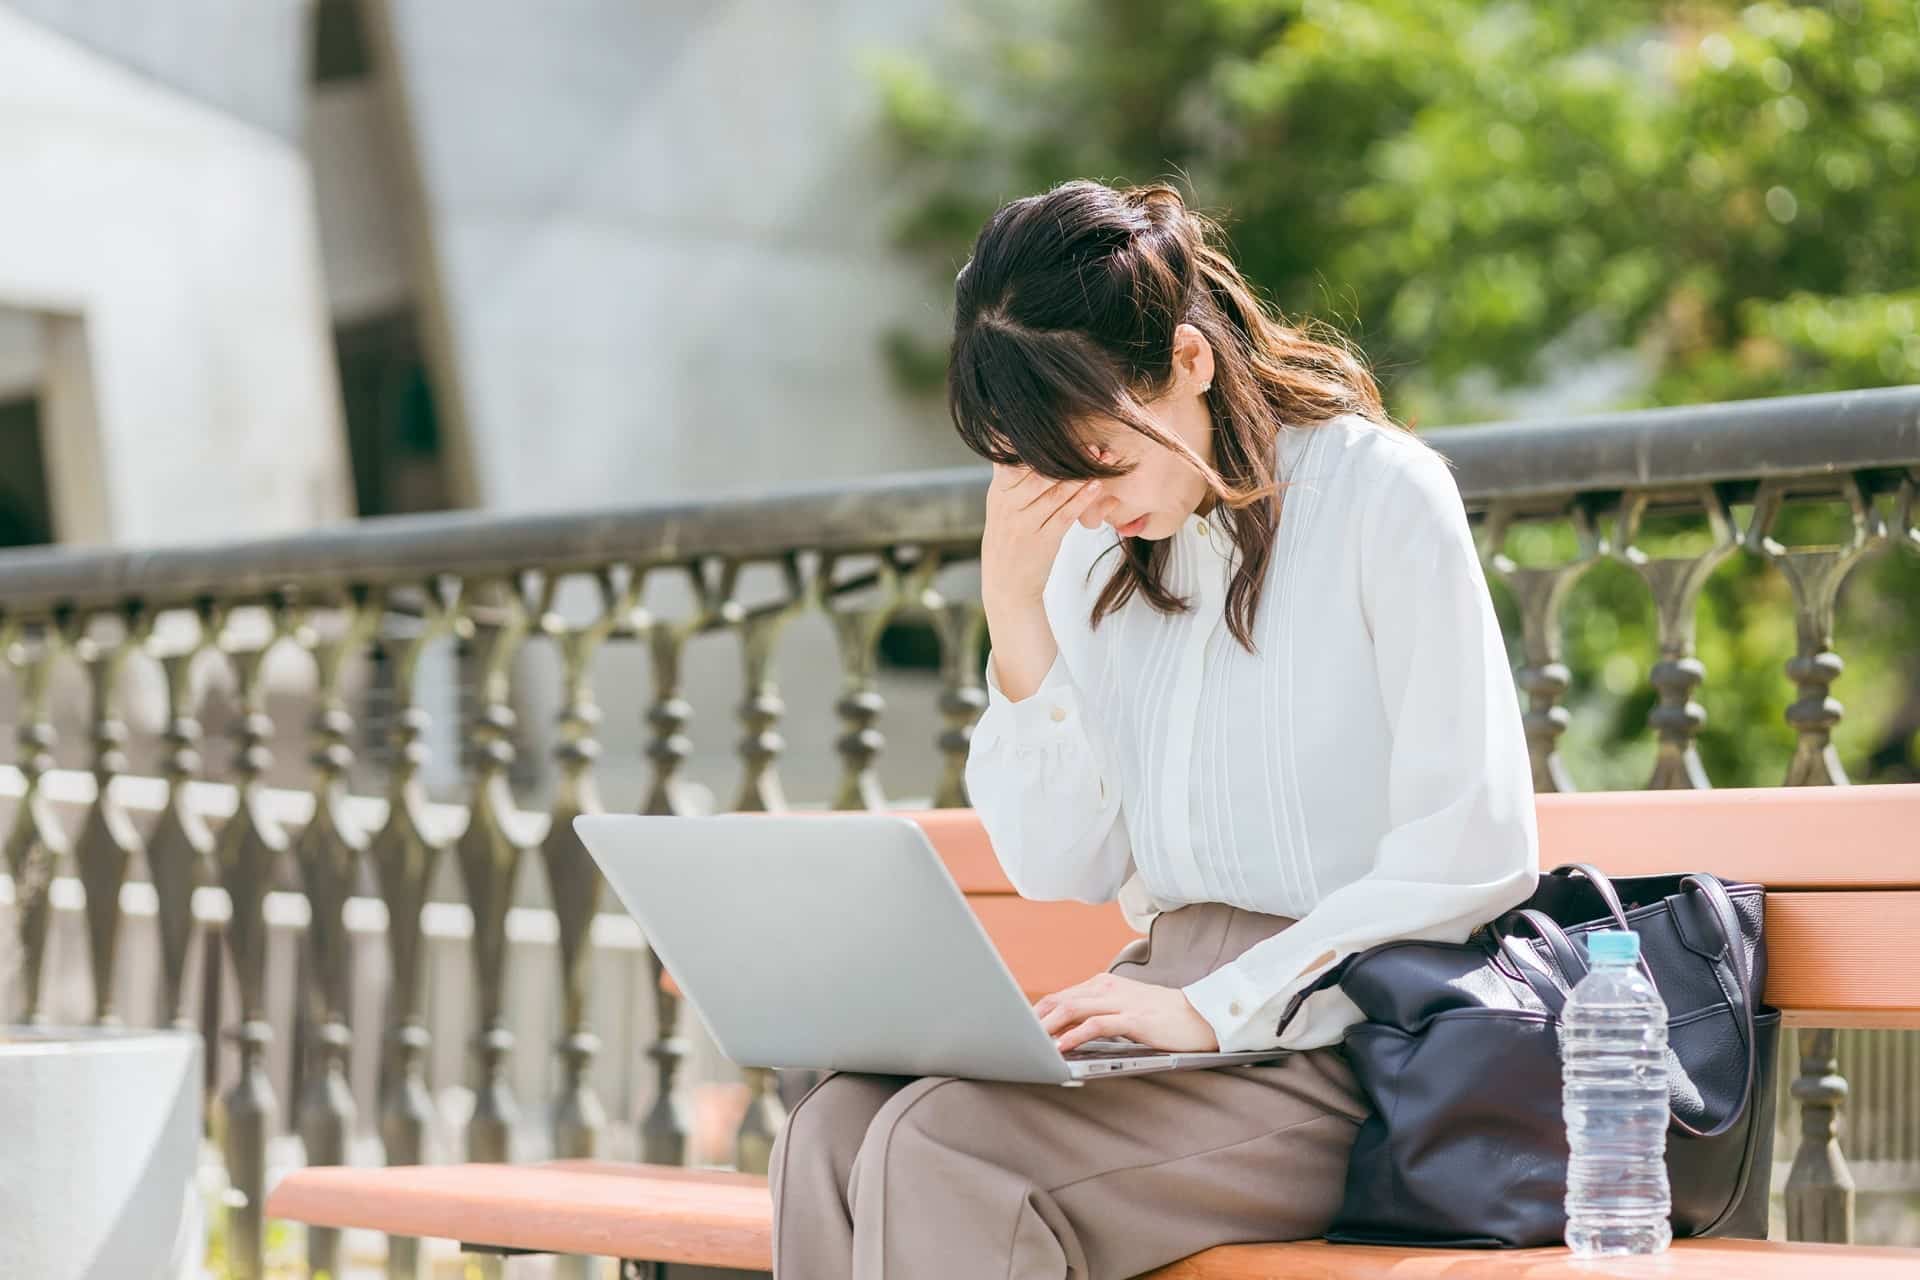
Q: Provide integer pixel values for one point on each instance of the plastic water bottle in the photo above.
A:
(1613, 1047)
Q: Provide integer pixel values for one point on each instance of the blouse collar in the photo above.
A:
(1209, 535)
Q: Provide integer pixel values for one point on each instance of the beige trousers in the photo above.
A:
(937, 1178)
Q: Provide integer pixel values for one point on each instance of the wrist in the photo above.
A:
(1013, 602)
(1201, 1026)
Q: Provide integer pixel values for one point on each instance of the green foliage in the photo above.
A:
(1729, 190)
(1487, 194)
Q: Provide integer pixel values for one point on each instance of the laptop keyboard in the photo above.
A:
(1095, 1049)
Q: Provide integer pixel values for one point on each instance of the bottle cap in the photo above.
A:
(1613, 946)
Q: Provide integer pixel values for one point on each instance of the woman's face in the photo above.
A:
(1162, 488)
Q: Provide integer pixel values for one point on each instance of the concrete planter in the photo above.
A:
(99, 1138)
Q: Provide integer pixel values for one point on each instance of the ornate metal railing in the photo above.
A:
(366, 603)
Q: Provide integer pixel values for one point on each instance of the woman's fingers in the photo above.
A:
(1069, 510)
(1056, 501)
(1065, 1012)
(1096, 1028)
(1098, 983)
(1044, 494)
(1058, 1017)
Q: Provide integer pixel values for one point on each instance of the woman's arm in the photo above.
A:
(1039, 787)
(1033, 774)
(1462, 844)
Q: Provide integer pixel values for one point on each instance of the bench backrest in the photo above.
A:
(1841, 865)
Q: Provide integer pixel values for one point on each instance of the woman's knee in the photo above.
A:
(826, 1126)
(933, 1111)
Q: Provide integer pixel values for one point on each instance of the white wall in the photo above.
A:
(22, 354)
(659, 236)
(184, 243)
(245, 58)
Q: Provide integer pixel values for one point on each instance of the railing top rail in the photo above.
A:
(1522, 462)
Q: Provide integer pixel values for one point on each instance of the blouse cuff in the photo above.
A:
(1244, 1013)
(1050, 713)
(1229, 1003)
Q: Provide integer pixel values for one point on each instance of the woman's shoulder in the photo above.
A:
(1381, 459)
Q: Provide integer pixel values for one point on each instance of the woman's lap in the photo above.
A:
(936, 1176)
(1129, 1172)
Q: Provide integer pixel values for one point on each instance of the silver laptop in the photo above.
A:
(839, 941)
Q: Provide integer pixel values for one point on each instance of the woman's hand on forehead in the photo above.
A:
(1026, 483)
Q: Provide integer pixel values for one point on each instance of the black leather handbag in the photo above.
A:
(1459, 1055)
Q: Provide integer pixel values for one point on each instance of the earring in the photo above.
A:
(1205, 387)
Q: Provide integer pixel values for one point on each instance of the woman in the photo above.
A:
(1246, 677)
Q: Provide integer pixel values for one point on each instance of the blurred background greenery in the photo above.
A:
(1509, 206)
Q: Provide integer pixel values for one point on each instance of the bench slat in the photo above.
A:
(605, 1209)
(1845, 959)
(1834, 959)
(595, 1208)
(1782, 837)
(1688, 1260)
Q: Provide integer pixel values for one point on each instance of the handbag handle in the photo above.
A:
(1735, 966)
(1611, 898)
(1325, 982)
(1601, 885)
(1735, 981)
(1567, 966)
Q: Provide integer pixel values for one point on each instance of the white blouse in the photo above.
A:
(1365, 773)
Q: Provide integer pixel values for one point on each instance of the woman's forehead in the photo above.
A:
(1098, 429)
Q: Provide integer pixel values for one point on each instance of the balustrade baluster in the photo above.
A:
(37, 843)
(961, 624)
(248, 852)
(1541, 592)
(664, 1129)
(329, 853)
(490, 852)
(1675, 583)
(404, 855)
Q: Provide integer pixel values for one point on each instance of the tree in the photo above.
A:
(1486, 194)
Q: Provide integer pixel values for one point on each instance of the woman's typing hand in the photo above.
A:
(1107, 1006)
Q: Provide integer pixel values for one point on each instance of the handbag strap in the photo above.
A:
(1602, 885)
(1552, 983)
(1732, 966)
(1736, 983)
(1325, 982)
(1610, 896)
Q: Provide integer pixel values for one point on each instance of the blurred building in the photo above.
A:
(271, 263)
(165, 370)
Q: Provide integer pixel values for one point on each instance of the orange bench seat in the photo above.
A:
(718, 1219)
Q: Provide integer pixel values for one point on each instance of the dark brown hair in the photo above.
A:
(1067, 310)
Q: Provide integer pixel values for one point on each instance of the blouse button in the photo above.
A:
(1234, 1009)
(1059, 714)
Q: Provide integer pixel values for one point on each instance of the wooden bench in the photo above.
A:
(1842, 866)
